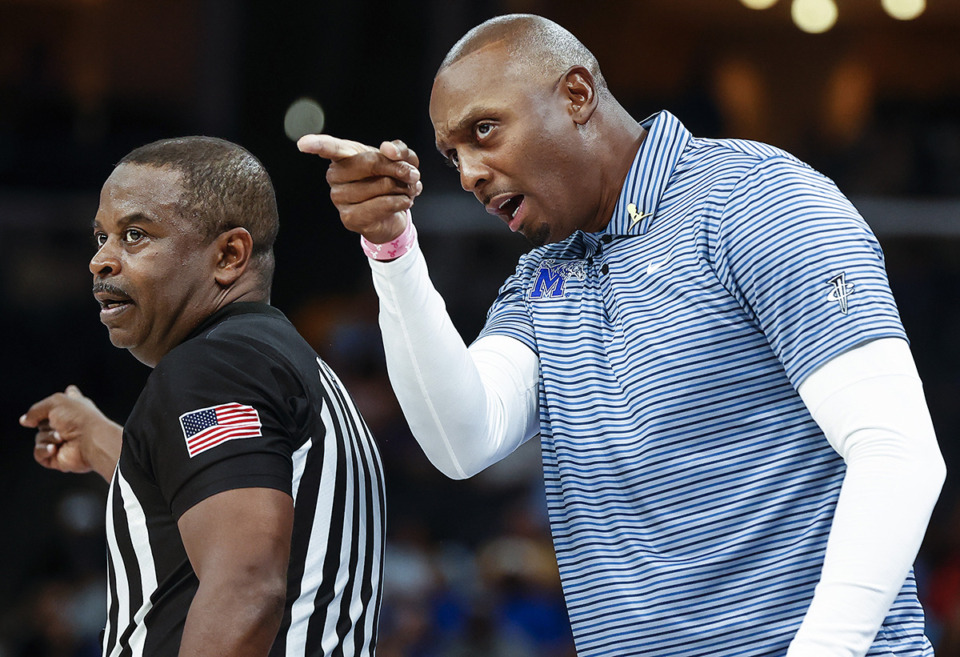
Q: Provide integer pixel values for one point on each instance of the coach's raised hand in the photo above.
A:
(73, 435)
(372, 187)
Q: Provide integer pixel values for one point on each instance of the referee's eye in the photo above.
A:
(132, 235)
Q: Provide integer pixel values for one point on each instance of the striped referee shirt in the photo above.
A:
(245, 402)
(690, 493)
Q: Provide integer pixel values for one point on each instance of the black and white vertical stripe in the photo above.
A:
(131, 580)
(343, 544)
(336, 562)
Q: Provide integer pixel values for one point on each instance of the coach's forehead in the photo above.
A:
(485, 78)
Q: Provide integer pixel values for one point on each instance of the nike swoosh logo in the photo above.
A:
(656, 266)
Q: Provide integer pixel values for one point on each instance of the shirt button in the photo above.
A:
(606, 239)
(605, 269)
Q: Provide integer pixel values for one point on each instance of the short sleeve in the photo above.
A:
(508, 315)
(213, 417)
(804, 264)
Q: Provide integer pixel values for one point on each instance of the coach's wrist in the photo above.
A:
(394, 248)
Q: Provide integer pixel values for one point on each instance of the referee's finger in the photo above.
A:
(44, 449)
(332, 148)
(45, 454)
(47, 436)
(40, 411)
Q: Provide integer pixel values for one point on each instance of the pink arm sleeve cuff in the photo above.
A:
(393, 249)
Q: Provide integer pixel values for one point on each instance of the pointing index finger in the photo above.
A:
(38, 413)
(332, 148)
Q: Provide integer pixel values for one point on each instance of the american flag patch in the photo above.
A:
(206, 428)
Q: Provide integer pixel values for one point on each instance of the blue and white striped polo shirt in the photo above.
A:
(690, 492)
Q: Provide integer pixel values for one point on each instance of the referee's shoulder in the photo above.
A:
(241, 341)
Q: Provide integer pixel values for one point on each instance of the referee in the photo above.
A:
(246, 506)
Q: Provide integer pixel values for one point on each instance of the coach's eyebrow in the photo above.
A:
(126, 220)
(466, 123)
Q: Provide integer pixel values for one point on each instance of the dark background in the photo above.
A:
(874, 103)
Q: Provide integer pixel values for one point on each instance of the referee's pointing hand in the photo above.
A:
(72, 434)
(372, 187)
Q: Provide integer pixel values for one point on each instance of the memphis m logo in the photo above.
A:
(552, 276)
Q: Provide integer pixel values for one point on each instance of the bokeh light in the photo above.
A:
(814, 16)
(758, 4)
(904, 10)
(303, 117)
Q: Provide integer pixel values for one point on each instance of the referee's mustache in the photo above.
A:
(107, 288)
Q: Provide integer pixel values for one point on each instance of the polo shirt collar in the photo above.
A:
(647, 179)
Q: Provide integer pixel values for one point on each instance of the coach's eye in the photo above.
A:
(483, 130)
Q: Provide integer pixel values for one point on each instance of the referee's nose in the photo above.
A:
(104, 262)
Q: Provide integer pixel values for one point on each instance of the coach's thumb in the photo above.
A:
(73, 391)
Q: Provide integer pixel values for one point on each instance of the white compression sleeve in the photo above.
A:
(869, 403)
(468, 408)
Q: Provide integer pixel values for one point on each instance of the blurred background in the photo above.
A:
(867, 91)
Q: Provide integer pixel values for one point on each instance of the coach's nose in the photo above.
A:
(474, 173)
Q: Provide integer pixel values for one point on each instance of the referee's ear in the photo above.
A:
(233, 250)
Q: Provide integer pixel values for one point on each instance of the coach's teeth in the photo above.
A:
(504, 203)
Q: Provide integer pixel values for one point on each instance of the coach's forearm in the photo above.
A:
(467, 410)
(870, 405)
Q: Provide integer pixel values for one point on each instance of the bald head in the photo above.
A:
(531, 42)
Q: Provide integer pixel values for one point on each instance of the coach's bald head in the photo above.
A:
(532, 42)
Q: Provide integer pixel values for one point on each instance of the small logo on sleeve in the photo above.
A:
(840, 291)
(205, 428)
(552, 276)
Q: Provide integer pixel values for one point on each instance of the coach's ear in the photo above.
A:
(579, 91)
(233, 249)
